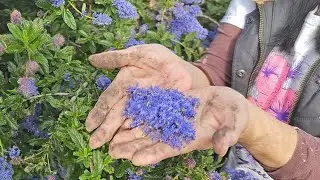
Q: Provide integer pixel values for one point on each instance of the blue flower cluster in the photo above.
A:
(125, 9)
(143, 28)
(101, 19)
(133, 176)
(57, 3)
(30, 123)
(133, 42)
(67, 77)
(14, 152)
(6, 171)
(102, 82)
(234, 174)
(27, 87)
(214, 175)
(166, 114)
(191, 1)
(184, 21)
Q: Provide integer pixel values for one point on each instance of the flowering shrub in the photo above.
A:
(48, 85)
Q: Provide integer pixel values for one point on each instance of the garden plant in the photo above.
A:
(47, 85)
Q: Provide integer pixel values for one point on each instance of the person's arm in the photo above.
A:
(216, 63)
(284, 151)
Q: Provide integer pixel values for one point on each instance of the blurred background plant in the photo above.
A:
(48, 86)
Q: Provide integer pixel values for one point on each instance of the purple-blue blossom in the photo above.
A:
(102, 82)
(133, 42)
(191, 163)
(67, 77)
(234, 174)
(143, 28)
(57, 3)
(51, 177)
(191, 1)
(184, 23)
(30, 123)
(27, 87)
(125, 9)
(6, 171)
(166, 114)
(211, 35)
(37, 109)
(101, 19)
(15, 17)
(14, 152)
(58, 40)
(133, 176)
(194, 10)
(214, 175)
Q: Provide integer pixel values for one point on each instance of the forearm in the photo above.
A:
(270, 141)
(216, 63)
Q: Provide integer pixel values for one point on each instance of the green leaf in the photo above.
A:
(97, 162)
(107, 163)
(122, 169)
(43, 61)
(69, 19)
(190, 37)
(15, 31)
(65, 53)
(77, 139)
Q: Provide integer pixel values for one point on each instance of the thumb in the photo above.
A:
(222, 140)
(116, 59)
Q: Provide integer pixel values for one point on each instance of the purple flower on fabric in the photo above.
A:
(58, 40)
(166, 114)
(281, 113)
(269, 70)
(101, 19)
(15, 17)
(27, 87)
(14, 152)
(57, 3)
(102, 82)
(6, 171)
(184, 23)
(214, 175)
(234, 174)
(125, 9)
(295, 72)
(133, 42)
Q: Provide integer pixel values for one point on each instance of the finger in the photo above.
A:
(221, 141)
(109, 126)
(116, 59)
(155, 154)
(105, 102)
(126, 150)
(128, 135)
(127, 124)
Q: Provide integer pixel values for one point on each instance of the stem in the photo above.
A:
(181, 44)
(210, 19)
(77, 10)
(30, 157)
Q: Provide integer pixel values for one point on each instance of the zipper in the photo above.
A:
(261, 57)
(303, 84)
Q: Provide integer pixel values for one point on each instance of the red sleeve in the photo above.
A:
(216, 63)
(304, 163)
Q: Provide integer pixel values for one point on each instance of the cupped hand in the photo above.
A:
(221, 119)
(144, 65)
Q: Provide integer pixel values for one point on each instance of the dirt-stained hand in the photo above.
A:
(143, 65)
(221, 118)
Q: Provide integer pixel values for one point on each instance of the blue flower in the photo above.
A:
(67, 77)
(185, 22)
(133, 42)
(57, 3)
(125, 9)
(14, 152)
(143, 28)
(37, 111)
(211, 35)
(214, 175)
(27, 87)
(234, 174)
(102, 82)
(101, 19)
(6, 171)
(83, 13)
(133, 176)
(194, 10)
(166, 114)
(30, 123)
(191, 1)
